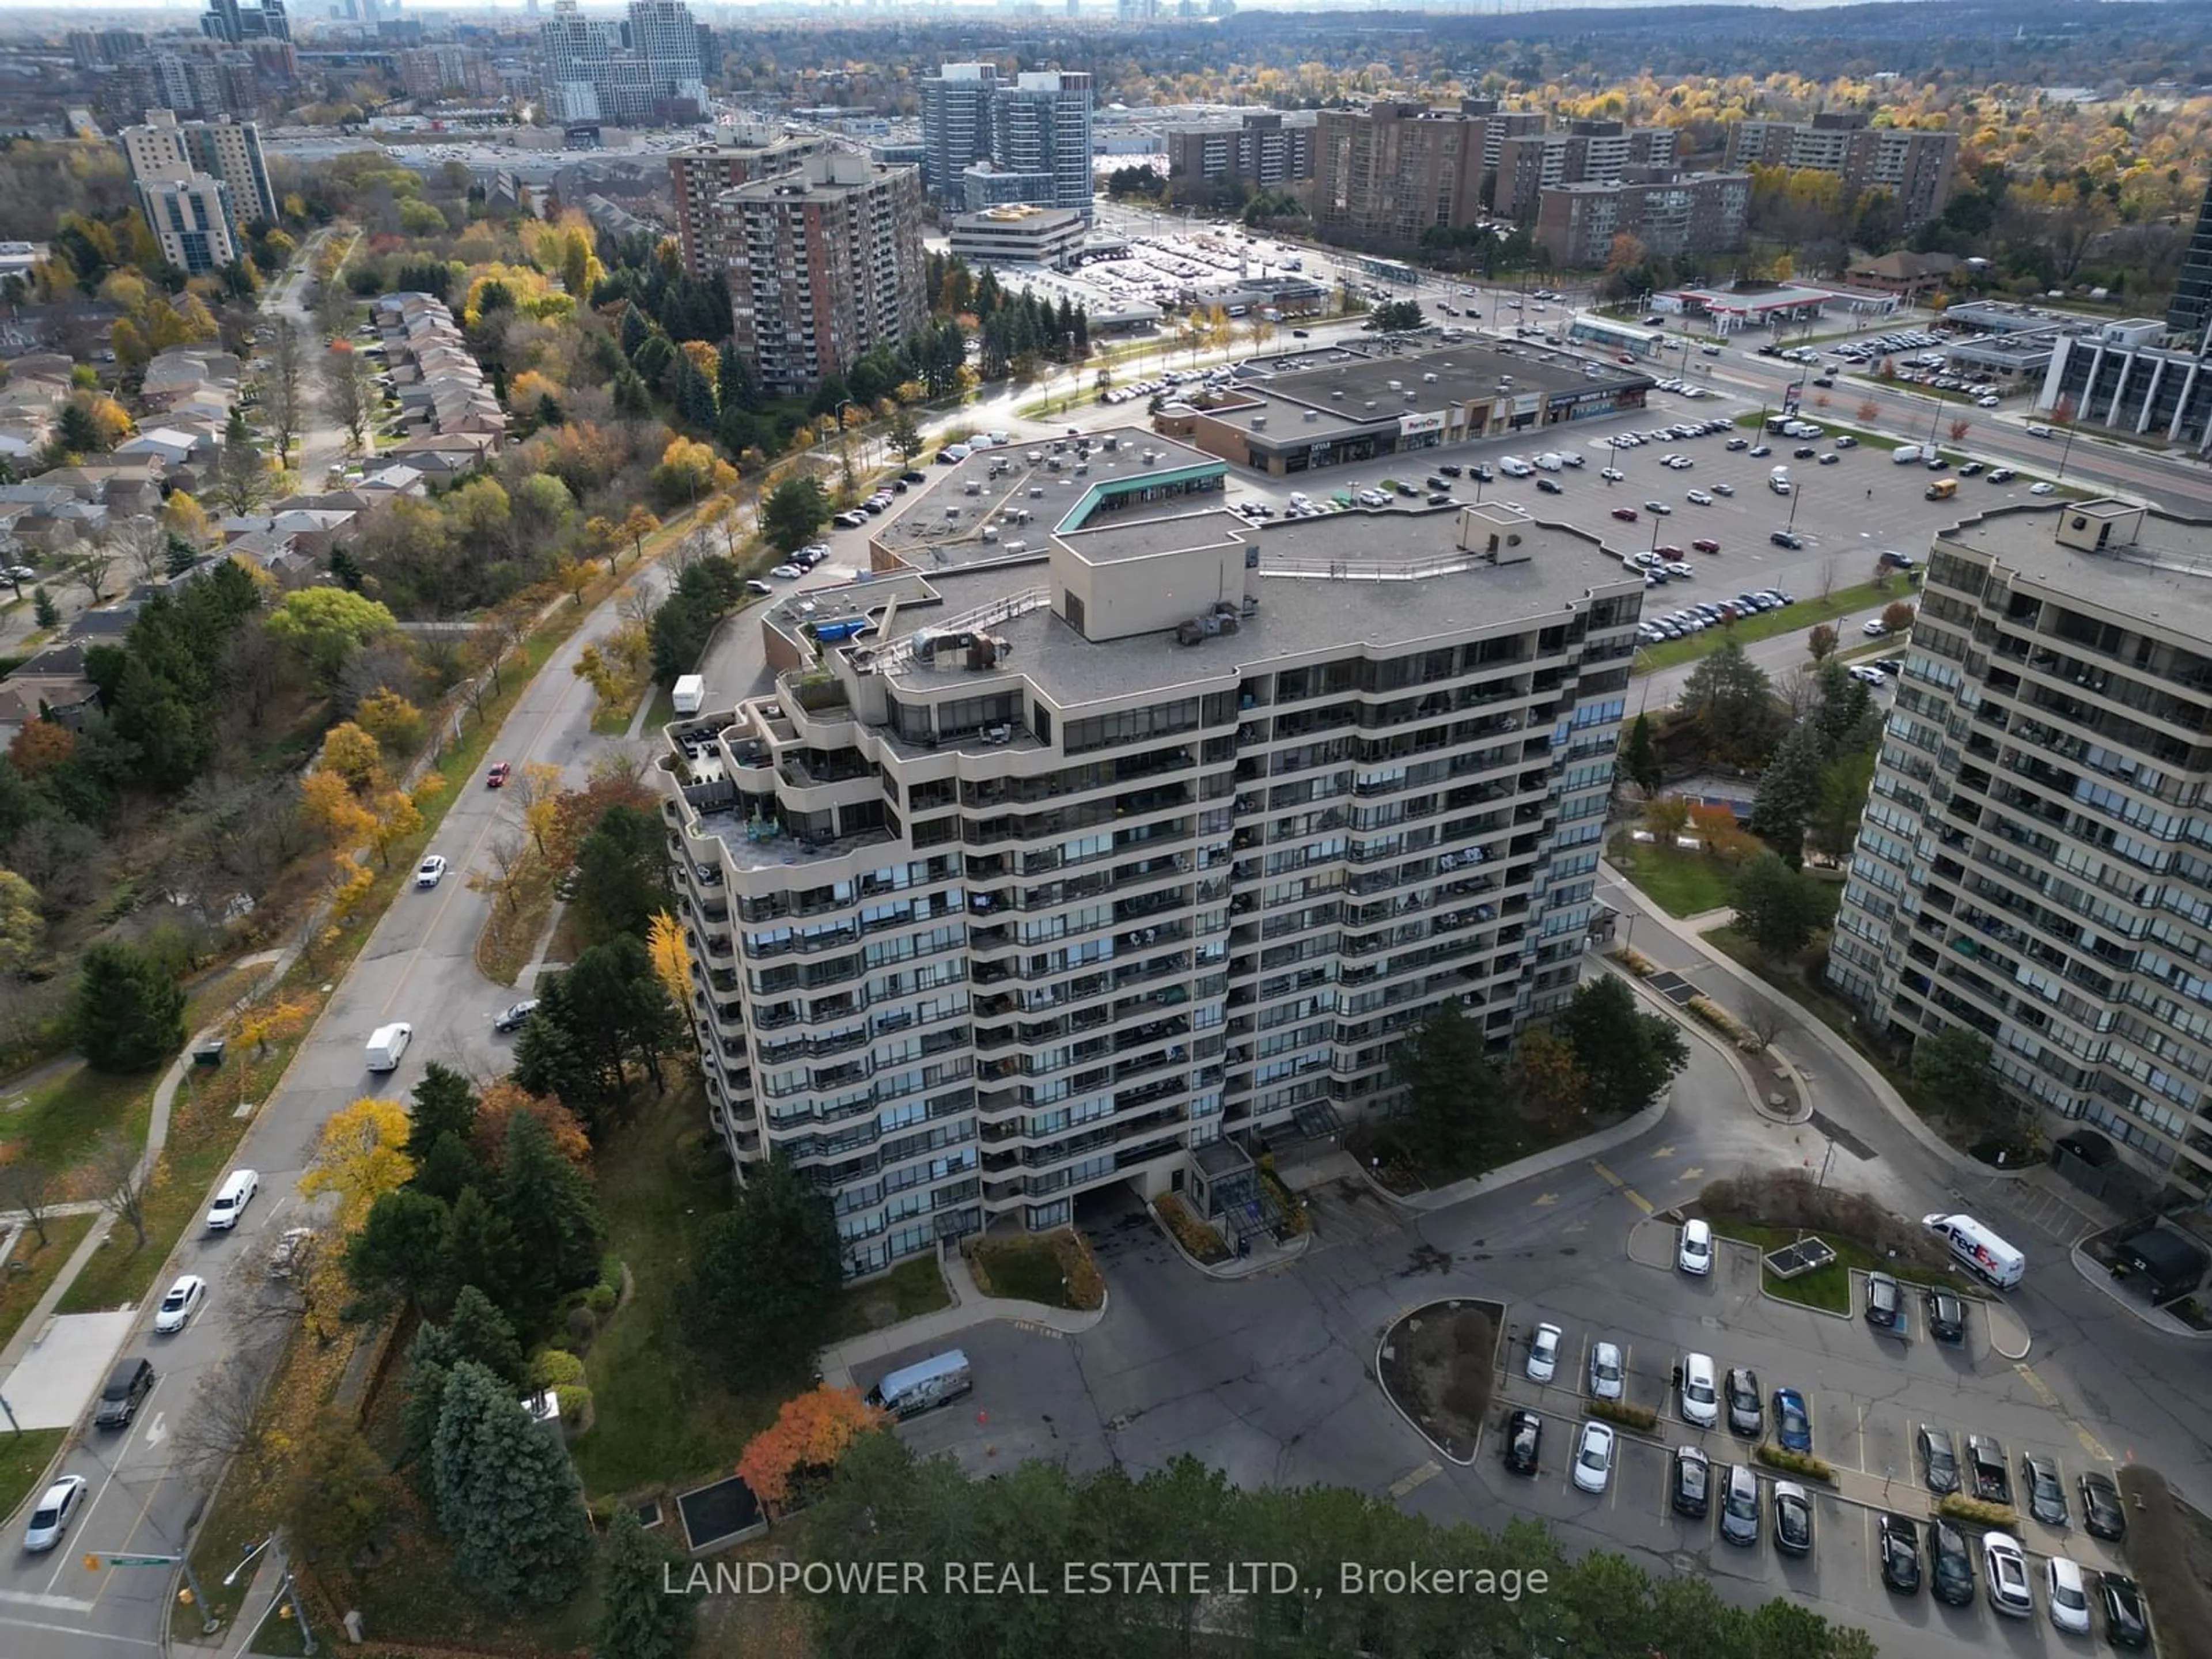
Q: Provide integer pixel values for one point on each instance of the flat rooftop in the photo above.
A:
(941, 525)
(2163, 577)
(1387, 580)
(1464, 369)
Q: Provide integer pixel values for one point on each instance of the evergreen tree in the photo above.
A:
(1788, 788)
(476, 1331)
(430, 1357)
(548, 1203)
(1626, 1055)
(764, 1282)
(638, 1618)
(129, 1012)
(402, 1249)
(634, 330)
(443, 1103)
(1449, 1116)
(44, 610)
(693, 398)
(1777, 907)
(507, 1497)
(1639, 756)
(481, 1252)
(734, 386)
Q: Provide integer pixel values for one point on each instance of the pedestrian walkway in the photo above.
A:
(971, 1308)
(1543, 1163)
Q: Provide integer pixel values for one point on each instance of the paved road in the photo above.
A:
(417, 966)
(322, 443)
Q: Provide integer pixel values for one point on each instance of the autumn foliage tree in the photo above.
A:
(800, 1450)
(360, 1156)
(501, 1100)
(671, 957)
(1550, 1078)
(331, 811)
(395, 723)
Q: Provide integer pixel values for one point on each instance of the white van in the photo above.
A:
(1551, 460)
(1514, 467)
(1978, 1249)
(1906, 455)
(936, 1381)
(231, 1200)
(386, 1045)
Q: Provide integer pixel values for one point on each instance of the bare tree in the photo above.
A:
(28, 1186)
(1764, 1021)
(143, 544)
(90, 567)
(637, 604)
(1827, 577)
(283, 383)
(350, 392)
(120, 1168)
(219, 1424)
(498, 633)
(503, 879)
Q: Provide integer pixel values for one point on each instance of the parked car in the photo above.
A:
(1793, 1519)
(430, 871)
(1607, 1375)
(1939, 1461)
(1701, 1399)
(1986, 1469)
(57, 1506)
(1723, 490)
(1950, 1564)
(2046, 1497)
(1594, 1457)
(2004, 1574)
(2127, 1621)
(1550, 486)
(787, 573)
(1694, 1253)
(753, 585)
(2101, 1512)
(2044, 487)
(1706, 544)
(1793, 1426)
(1524, 1441)
(179, 1306)
(1740, 1505)
(1884, 1301)
(1898, 1542)
(1659, 507)
(1690, 1490)
(1746, 1415)
(2066, 1596)
(1544, 1352)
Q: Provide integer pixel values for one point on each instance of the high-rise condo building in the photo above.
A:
(648, 68)
(989, 142)
(165, 147)
(1083, 845)
(700, 173)
(1913, 164)
(2032, 863)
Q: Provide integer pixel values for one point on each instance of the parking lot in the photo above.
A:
(1867, 1392)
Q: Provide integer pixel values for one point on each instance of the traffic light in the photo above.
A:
(91, 1562)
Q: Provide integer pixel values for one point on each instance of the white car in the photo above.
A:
(430, 871)
(1613, 475)
(1594, 1457)
(2004, 1571)
(1723, 490)
(787, 573)
(1701, 1394)
(2069, 1601)
(58, 1507)
(2045, 488)
(182, 1302)
(1606, 1373)
(1874, 628)
(1699, 498)
(1695, 1253)
(1544, 1353)
(1986, 402)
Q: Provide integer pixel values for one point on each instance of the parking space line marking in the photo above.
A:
(1621, 1187)
(2090, 1444)
(1406, 1483)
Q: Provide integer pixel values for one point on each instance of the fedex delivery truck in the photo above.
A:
(1977, 1249)
(933, 1381)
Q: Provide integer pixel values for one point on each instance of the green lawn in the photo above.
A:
(20, 1292)
(1807, 613)
(1829, 1288)
(912, 1288)
(661, 1415)
(1681, 883)
(23, 1458)
(1022, 1269)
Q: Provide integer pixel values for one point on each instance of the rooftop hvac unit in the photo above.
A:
(1371, 404)
(1428, 380)
(1152, 455)
(1397, 386)
(1411, 396)
(1259, 424)
(1337, 396)
(1312, 414)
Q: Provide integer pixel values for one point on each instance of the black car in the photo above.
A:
(2126, 1623)
(2003, 475)
(1899, 1544)
(1449, 471)
(128, 1385)
(1937, 464)
(1824, 380)
(1435, 483)
(1884, 1302)
(1939, 1463)
(1549, 486)
(2101, 1507)
(1793, 1519)
(1440, 499)
(913, 477)
(1746, 1411)
(1947, 1314)
(2046, 1497)
(1968, 469)
(1691, 1489)
(1788, 538)
(1524, 1442)
(1985, 1467)
(1408, 490)
(1479, 472)
(1803, 452)
(1950, 1564)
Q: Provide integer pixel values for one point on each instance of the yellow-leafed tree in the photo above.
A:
(360, 1157)
(671, 957)
(395, 723)
(353, 755)
(331, 810)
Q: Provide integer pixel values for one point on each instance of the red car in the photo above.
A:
(1706, 544)
(1625, 514)
(1668, 552)
(497, 776)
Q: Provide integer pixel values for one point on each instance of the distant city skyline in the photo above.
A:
(317, 10)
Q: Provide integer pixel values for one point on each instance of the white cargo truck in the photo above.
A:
(1977, 1249)
(916, 1387)
(690, 693)
(386, 1045)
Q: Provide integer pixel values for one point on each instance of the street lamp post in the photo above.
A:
(1796, 495)
(2063, 454)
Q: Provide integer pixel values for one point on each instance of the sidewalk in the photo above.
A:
(1543, 1163)
(971, 1308)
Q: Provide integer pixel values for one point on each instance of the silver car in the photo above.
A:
(1607, 1374)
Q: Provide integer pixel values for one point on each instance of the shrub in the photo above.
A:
(556, 1367)
(601, 1299)
(576, 1403)
(583, 1324)
(1635, 961)
(1085, 1289)
(1795, 1462)
(611, 1273)
(1791, 1198)
(1193, 1235)
(1957, 1506)
(1643, 1418)
(1294, 1213)
(1726, 1023)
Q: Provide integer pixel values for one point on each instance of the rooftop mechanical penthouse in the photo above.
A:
(1098, 836)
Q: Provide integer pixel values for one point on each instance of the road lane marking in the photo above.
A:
(1419, 1477)
(1544, 1200)
(1621, 1187)
(2051, 1403)
(50, 1603)
(78, 1635)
